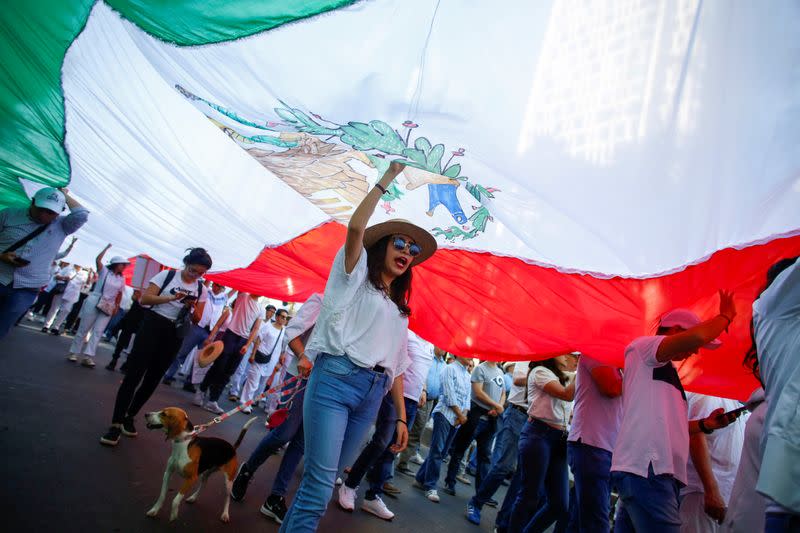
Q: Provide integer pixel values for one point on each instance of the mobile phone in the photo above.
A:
(21, 261)
(736, 412)
(189, 298)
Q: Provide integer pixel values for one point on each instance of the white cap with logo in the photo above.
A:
(50, 198)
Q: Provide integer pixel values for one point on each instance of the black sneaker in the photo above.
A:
(111, 438)
(449, 489)
(167, 381)
(124, 367)
(492, 502)
(112, 365)
(54, 331)
(128, 429)
(45, 330)
(240, 483)
(188, 387)
(275, 508)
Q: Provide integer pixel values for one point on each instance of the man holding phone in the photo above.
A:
(30, 238)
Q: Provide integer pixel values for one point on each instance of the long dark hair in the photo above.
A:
(751, 357)
(197, 256)
(400, 289)
(552, 365)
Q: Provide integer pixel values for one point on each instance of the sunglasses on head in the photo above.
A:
(400, 244)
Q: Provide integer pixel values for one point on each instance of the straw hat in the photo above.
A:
(425, 240)
(209, 354)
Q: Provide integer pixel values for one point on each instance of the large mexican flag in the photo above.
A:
(584, 168)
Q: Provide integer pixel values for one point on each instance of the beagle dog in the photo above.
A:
(193, 457)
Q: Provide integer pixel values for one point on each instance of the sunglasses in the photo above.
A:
(400, 244)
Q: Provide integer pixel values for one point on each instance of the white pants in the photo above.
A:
(693, 515)
(254, 378)
(238, 377)
(59, 310)
(197, 373)
(93, 323)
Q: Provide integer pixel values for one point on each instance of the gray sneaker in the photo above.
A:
(199, 398)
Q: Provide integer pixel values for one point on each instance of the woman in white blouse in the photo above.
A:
(361, 337)
(542, 460)
(99, 307)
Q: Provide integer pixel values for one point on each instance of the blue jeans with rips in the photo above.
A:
(649, 503)
(341, 403)
(504, 456)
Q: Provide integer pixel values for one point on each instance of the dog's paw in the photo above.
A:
(225, 517)
(191, 499)
(173, 516)
(152, 513)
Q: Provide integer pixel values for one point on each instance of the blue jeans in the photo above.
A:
(291, 431)
(442, 437)
(504, 514)
(649, 503)
(591, 471)
(193, 340)
(13, 303)
(781, 523)
(543, 472)
(342, 400)
(504, 456)
(481, 427)
(381, 470)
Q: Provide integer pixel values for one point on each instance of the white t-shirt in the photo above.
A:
(215, 304)
(596, 417)
(301, 326)
(113, 284)
(359, 321)
(724, 445)
(517, 395)
(270, 344)
(172, 309)
(72, 293)
(542, 406)
(421, 353)
(746, 507)
(245, 312)
(655, 427)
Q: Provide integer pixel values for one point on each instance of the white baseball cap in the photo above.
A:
(686, 319)
(119, 260)
(50, 198)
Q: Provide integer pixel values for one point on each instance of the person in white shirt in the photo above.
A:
(236, 382)
(361, 337)
(62, 303)
(267, 349)
(746, 507)
(212, 311)
(173, 297)
(375, 460)
(596, 417)
(648, 466)
(98, 308)
(242, 329)
(776, 330)
(543, 447)
(713, 461)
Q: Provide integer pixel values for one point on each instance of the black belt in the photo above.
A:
(519, 408)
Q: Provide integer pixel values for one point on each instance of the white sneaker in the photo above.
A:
(417, 459)
(247, 410)
(432, 495)
(213, 407)
(378, 508)
(199, 398)
(347, 498)
(72, 357)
